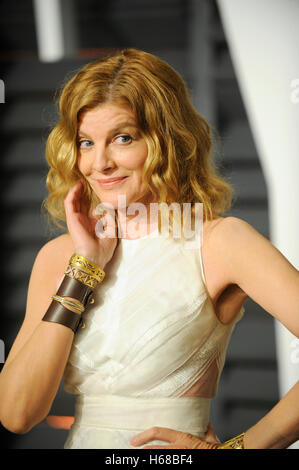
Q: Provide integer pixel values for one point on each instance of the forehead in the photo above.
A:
(106, 117)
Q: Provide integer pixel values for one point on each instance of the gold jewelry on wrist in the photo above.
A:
(87, 266)
(76, 273)
(234, 443)
(74, 293)
(74, 303)
(80, 280)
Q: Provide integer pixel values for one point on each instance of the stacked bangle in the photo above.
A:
(77, 306)
(84, 271)
(234, 443)
(81, 278)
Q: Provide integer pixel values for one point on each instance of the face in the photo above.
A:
(110, 146)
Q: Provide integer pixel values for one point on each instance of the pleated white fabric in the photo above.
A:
(153, 348)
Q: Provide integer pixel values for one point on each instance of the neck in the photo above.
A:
(137, 224)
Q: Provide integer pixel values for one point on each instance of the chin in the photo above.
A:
(113, 201)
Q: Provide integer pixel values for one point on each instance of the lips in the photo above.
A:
(111, 182)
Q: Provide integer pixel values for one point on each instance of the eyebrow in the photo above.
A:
(115, 129)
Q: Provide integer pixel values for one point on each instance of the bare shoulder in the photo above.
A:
(55, 254)
(216, 278)
(231, 239)
(223, 239)
(49, 267)
(212, 228)
(224, 230)
(226, 222)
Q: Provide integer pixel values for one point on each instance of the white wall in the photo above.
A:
(263, 37)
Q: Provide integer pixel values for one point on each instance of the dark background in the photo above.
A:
(248, 387)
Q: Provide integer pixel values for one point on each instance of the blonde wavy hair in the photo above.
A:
(179, 167)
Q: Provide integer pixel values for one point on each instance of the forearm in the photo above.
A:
(279, 428)
(28, 385)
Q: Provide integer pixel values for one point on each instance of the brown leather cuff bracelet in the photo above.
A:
(57, 313)
(75, 289)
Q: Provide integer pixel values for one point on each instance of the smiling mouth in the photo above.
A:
(111, 184)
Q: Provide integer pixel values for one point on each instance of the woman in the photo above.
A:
(152, 344)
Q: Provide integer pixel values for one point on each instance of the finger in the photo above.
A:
(80, 198)
(71, 202)
(161, 447)
(60, 422)
(85, 202)
(210, 435)
(190, 441)
(156, 433)
(106, 227)
(93, 221)
(77, 205)
(203, 445)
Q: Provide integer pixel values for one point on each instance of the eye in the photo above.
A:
(80, 143)
(125, 139)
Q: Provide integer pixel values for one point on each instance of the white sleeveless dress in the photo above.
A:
(153, 349)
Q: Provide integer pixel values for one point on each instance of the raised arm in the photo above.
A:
(32, 373)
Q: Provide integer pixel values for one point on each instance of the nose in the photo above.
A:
(103, 159)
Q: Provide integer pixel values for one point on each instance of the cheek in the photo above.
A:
(136, 162)
(83, 165)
